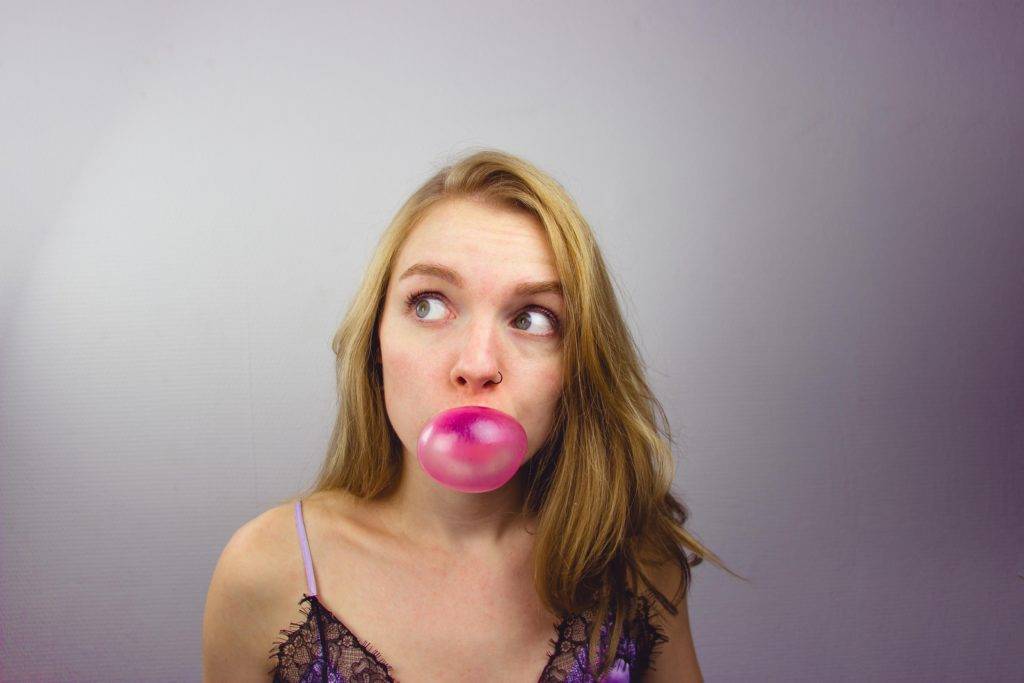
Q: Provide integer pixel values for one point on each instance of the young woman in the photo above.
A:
(487, 289)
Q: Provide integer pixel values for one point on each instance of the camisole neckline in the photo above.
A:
(375, 655)
(569, 634)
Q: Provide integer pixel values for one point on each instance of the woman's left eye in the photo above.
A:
(420, 302)
(549, 318)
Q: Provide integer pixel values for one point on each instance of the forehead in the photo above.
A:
(471, 233)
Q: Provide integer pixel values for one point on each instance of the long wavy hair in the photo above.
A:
(599, 487)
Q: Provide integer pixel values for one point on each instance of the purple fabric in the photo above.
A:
(315, 674)
(619, 673)
(307, 559)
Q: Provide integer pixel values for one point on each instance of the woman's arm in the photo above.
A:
(234, 647)
(676, 660)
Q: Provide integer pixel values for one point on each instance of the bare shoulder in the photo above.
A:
(676, 659)
(249, 594)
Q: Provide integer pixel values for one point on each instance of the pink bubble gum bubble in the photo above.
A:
(472, 449)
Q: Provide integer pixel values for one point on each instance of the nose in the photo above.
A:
(477, 364)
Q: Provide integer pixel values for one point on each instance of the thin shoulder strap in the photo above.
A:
(304, 542)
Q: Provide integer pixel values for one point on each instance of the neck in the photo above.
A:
(428, 515)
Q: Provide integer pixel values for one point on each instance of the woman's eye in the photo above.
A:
(420, 306)
(541, 318)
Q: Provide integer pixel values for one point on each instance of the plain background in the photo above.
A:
(814, 213)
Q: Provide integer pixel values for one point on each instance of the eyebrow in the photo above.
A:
(446, 273)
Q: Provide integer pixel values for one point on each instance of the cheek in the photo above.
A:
(545, 394)
(402, 373)
(399, 364)
(409, 376)
(550, 382)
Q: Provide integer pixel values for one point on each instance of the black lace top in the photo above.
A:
(320, 648)
(301, 659)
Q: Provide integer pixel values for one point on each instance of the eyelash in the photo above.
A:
(413, 299)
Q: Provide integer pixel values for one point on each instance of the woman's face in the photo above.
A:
(445, 339)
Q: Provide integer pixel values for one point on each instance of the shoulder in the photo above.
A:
(256, 552)
(250, 590)
(676, 658)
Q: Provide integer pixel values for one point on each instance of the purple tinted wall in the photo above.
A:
(814, 211)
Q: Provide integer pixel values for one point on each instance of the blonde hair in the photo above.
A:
(599, 486)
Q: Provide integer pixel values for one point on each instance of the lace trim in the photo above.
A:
(652, 635)
(569, 653)
(300, 657)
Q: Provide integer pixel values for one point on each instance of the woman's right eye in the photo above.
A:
(420, 306)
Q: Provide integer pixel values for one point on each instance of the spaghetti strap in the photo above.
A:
(304, 542)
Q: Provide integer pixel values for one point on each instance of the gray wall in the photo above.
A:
(814, 211)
